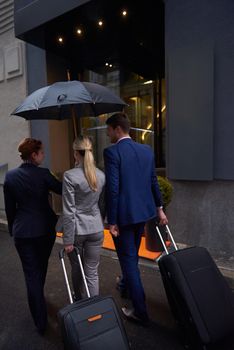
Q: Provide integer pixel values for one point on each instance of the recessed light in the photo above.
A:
(79, 31)
(100, 23)
(124, 13)
(60, 39)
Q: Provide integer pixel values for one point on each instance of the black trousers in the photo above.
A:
(34, 254)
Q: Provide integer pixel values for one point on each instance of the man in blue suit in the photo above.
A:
(133, 197)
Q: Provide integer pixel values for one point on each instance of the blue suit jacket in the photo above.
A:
(132, 189)
(26, 191)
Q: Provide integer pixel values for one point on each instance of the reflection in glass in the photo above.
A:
(142, 96)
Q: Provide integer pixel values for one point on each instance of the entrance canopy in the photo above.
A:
(30, 14)
(97, 32)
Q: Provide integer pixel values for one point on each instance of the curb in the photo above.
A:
(3, 225)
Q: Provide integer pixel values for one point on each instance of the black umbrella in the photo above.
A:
(68, 99)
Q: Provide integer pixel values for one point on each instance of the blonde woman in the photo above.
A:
(83, 191)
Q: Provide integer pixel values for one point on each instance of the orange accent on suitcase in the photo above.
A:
(94, 318)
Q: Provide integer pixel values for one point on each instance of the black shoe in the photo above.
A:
(131, 316)
(42, 327)
(124, 293)
(41, 331)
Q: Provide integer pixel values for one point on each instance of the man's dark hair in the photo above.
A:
(121, 120)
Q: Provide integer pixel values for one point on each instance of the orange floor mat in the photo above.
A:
(143, 252)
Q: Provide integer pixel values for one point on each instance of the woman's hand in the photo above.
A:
(68, 248)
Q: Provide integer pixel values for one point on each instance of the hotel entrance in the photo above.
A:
(119, 44)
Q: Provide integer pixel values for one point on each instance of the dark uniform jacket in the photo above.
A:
(26, 194)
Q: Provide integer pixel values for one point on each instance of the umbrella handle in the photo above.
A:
(74, 121)
(72, 108)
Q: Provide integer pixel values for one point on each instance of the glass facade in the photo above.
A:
(146, 109)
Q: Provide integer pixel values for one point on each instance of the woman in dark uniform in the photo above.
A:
(31, 221)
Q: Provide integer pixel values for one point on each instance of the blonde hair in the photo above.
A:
(83, 145)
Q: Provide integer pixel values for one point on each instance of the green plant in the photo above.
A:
(166, 190)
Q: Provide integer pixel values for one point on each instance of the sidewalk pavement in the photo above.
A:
(17, 331)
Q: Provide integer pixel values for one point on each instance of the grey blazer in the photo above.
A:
(81, 212)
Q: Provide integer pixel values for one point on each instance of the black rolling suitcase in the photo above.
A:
(152, 240)
(198, 294)
(92, 323)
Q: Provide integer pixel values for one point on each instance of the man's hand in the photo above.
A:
(68, 248)
(162, 217)
(114, 230)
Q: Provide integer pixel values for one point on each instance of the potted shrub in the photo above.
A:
(166, 190)
(152, 240)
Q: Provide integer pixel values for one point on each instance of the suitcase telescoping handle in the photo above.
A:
(162, 241)
(61, 257)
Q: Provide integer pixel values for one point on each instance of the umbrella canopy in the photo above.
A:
(62, 100)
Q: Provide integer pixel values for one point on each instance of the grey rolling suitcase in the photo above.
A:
(198, 294)
(92, 323)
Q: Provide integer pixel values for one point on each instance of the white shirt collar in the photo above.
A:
(122, 138)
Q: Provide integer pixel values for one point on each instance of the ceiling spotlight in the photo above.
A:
(106, 64)
(110, 65)
(100, 23)
(148, 82)
(79, 31)
(124, 13)
(60, 39)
